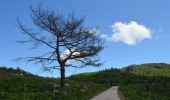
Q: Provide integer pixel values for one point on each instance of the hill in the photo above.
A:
(4, 72)
(153, 82)
(152, 69)
(144, 84)
(16, 84)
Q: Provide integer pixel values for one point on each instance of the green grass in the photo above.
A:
(150, 82)
(27, 88)
(21, 85)
(153, 69)
(145, 92)
(133, 81)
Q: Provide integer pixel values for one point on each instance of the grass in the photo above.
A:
(16, 84)
(35, 89)
(120, 94)
(20, 85)
(153, 69)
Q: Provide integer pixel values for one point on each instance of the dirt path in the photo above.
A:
(110, 94)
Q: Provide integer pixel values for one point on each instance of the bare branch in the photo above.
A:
(32, 35)
(62, 33)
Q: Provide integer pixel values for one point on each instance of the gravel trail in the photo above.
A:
(110, 94)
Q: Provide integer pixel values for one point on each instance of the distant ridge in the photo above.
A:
(149, 69)
(4, 71)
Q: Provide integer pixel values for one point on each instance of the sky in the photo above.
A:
(134, 31)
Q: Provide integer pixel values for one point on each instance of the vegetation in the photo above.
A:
(132, 86)
(16, 84)
(153, 69)
(150, 82)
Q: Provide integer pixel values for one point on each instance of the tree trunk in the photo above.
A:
(62, 79)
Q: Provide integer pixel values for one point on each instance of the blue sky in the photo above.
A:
(150, 16)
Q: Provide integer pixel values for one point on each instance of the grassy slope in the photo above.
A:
(152, 69)
(133, 86)
(153, 84)
(137, 82)
(16, 84)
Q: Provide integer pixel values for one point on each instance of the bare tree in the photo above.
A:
(71, 44)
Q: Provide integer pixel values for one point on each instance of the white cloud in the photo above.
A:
(130, 33)
(66, 53)
(104, 36)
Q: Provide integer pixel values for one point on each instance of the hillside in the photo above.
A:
(132, 85)
(16, 84)
(152, 69)
(4, 72)
(153, 82)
